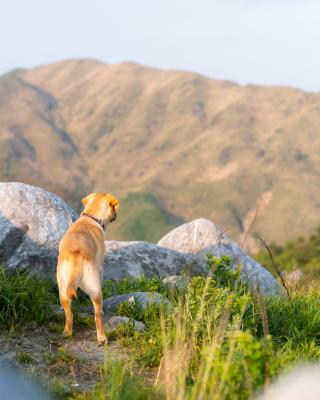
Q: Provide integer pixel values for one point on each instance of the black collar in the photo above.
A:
(100, 221)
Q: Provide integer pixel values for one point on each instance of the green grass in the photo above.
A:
(24, 300)
(119, 383)
(218, 340)
(141, 284)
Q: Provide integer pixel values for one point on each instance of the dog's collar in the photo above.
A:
(99, 221)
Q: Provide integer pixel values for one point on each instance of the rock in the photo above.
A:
(293, 277)
(142, 299)
(133, 259)
(192, 237)
(178, 281)
(113, 323)
(32, 222)
(251, 271)
(200, 237)
(14, 385)
(301, 383)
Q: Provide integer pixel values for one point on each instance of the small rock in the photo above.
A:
(180, 282)
(142, 299)
(113, 323)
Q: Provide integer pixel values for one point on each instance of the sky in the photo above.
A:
(268, 42)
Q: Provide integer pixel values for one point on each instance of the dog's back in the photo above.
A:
(82, 244)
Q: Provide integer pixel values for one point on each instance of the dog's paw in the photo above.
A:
(67, 333)
(102, 341)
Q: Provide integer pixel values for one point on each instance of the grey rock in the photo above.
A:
(178, 281)
(201, 237)
(133, 259)
(113, 323)
(142, 299)
(192, 237)
(14, 385)
(251, 271)
(32, 222)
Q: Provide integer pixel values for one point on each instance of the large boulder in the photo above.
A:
(133, 259)
(192, 237)
(201, 237)
(32, 222)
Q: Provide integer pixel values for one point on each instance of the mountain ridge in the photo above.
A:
(201, 147)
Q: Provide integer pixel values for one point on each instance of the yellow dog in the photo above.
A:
(81, 256)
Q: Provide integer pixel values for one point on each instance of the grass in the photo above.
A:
(24, 300)
(218, 340)
(119, 383)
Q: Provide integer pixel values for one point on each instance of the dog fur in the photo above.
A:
(81, 256)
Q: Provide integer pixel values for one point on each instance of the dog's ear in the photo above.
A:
(114, 202)
(86, 199)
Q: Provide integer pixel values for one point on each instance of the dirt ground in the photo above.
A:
(76, 363)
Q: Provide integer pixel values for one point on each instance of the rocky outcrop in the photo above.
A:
(133, 259)
(32, 222)
(201, 237)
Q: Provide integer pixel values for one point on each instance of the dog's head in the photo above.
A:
(101, 205)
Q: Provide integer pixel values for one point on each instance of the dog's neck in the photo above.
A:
(98, 220)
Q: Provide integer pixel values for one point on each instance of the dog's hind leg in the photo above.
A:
(101, 335)
(68, 275)
(91, 284)
(66, 304)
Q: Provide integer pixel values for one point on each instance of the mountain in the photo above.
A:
(174, 145)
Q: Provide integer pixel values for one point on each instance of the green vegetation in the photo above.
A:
(301, 254)
(24, 300)
(119, 383)
(217, 340)
(126, 285)
(144, 219)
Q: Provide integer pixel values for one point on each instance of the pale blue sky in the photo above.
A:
(248, 41)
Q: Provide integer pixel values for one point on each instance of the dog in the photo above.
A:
(81, 256)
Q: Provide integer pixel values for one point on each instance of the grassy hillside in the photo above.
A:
(301, 255)
(199, 147)
(141, 218)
